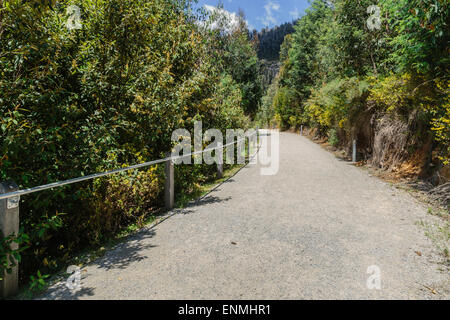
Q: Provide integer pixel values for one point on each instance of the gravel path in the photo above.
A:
(309, 232)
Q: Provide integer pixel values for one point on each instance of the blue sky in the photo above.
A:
(263, 13)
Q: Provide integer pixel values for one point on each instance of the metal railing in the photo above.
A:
(10, 199)
(107, 173)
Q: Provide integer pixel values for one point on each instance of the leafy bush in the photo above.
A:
(285, 107)
(10, 257)
(402, 94)
(335, 104)
(333, 138)
(420, 35)
(441, 121)
(266, 112)
(123, 199)
(393, 93)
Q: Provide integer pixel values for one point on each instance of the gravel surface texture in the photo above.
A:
(309, 232)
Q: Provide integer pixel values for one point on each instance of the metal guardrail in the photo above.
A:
(107, 173)
(10, 200)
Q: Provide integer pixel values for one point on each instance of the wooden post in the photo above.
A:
(9, 225)
(170, 184)
(301, 130)
(354, 158)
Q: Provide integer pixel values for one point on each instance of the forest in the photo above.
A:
(375, 74)
(270, 40)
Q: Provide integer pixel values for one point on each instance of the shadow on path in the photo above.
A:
(61, 292)
(127, 252)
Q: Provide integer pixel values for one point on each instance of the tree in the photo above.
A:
(270, 40)
(236, 55)
(421, 38)
(299, 69)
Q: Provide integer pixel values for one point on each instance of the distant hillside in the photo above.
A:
(270, 40)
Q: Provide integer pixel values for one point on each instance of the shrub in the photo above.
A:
(333, 138)
(284, 104)
(441, 121)
(335, 104)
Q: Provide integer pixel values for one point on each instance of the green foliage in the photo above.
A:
(243, 66)
(337, 72)
(109, 95)
(37, 283)
(441, 120)
(236, 53)
(421, 34)
(349, 47)
(403, 94)
(392, 92)
(299, 70)
(9, 256)
(285, 47)
(333, 138)
(123, 199)
(286, 111)
(333, 105)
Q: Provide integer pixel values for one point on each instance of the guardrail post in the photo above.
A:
(220, 163)
(301, 130)
(170, 184)
(9, 225)
(354, 151)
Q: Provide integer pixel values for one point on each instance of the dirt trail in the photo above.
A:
(309, 232)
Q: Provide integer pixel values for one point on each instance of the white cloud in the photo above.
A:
(270, 8)
(229, 20)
